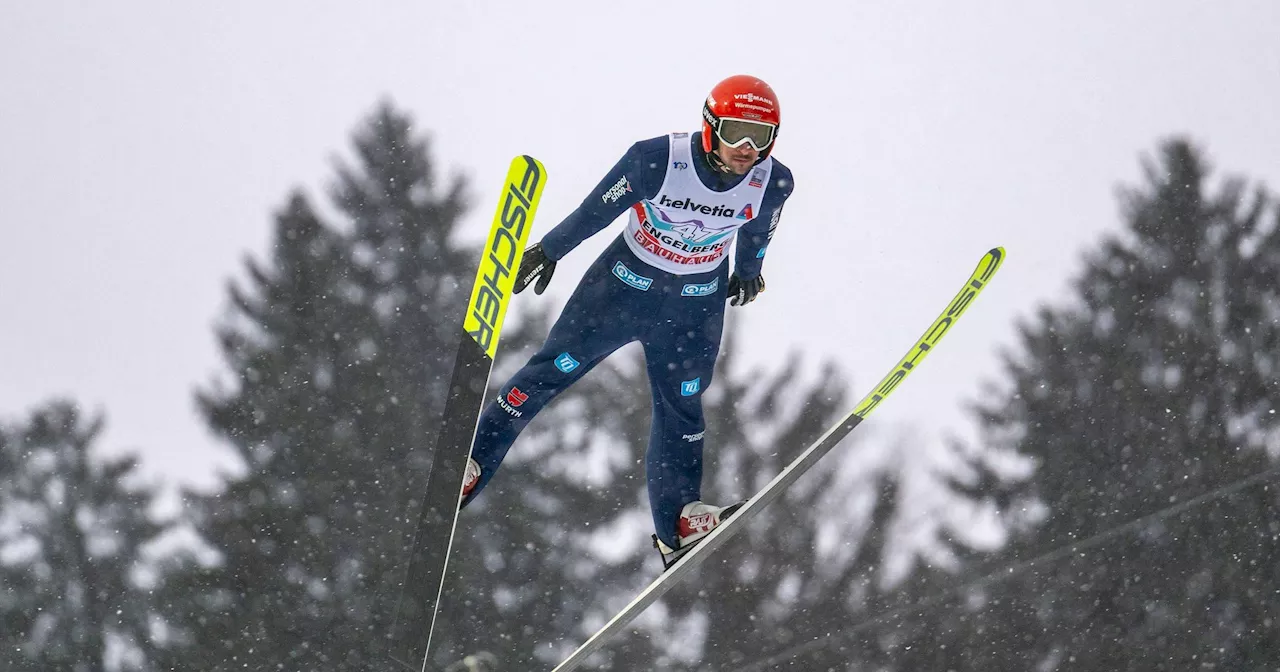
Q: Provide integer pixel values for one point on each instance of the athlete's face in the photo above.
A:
(739, 159)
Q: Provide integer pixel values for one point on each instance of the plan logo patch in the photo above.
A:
(632, 278)
(704, 289)
(690, 387)
(757, 178)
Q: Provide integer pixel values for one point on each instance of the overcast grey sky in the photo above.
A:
(147, 143)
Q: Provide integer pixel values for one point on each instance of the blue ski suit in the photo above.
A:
(677, 317)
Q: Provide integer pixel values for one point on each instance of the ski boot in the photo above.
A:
(469, 480)
(697, 520)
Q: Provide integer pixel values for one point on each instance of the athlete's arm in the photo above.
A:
(754, 236)
(638, 175)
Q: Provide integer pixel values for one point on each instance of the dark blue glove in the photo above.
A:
(534, 265)
(742, 292)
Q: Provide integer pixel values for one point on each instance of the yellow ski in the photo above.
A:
(987, 268)
(419, 599)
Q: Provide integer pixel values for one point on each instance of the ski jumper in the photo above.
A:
(661, 282)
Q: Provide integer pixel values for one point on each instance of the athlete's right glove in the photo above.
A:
(535, 265)
(742, 292)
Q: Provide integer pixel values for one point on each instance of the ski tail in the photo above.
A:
(419, 599)
(986, 269)
(478, 662)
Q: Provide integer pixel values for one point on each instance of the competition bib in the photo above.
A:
(687, 228)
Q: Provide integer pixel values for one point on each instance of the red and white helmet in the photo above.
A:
(741, 110)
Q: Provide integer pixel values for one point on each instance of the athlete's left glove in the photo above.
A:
(535, 265)
(742, 292)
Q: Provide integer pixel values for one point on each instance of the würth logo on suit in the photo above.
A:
(517, 398)
(513, 399)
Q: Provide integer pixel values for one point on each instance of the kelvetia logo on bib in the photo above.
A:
(694, 206)
(684, 241)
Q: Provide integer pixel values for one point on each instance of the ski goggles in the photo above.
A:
(739, 132)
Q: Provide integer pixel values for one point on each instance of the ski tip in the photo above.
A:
(991, 261)
(525, 159)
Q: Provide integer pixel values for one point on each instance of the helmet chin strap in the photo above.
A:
(713, 159)
(717, 164)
